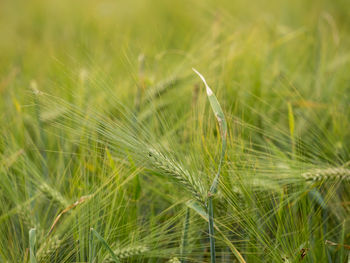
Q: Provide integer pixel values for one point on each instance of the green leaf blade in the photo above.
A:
(105, 244)
(32, 241)
(219, 114)
(216, 107)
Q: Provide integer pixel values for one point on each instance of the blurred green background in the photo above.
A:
(268, 62)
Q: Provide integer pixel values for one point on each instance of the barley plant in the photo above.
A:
(174, 131)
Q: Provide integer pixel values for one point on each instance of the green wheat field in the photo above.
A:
(174, 131)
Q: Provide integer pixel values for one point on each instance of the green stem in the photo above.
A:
(211, 228)
(91, 247)
(213, 190)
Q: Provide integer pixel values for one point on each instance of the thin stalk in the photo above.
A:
(211, 229)
(91, 248)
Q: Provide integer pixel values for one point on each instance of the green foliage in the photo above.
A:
(100, 238)
(32, 240)
(104, 125)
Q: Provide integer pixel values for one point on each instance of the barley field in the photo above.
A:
(174, 131)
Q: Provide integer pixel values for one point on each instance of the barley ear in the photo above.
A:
(127, 252)
(174, 260)
(328, 174)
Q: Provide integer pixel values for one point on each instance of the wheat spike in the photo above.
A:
(27, 219)
(46, 250)
(127, 252)
(341, 174)
(174, 260)
(182, 176)
(55, 195)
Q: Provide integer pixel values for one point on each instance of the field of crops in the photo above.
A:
(174, 131)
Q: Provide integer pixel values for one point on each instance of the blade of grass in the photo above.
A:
(32, 240)
(101, 239)
(219, 114)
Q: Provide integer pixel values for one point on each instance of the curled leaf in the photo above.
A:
(219, 114)
(215, 105)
